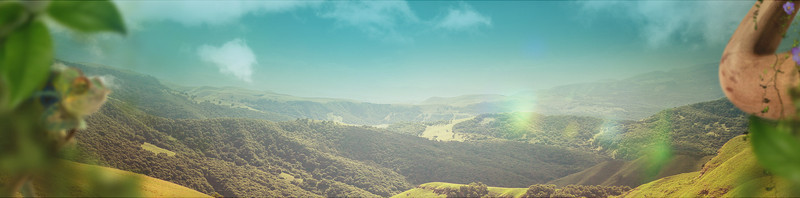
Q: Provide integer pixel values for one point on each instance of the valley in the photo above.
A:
(360, 98)
(236, 142)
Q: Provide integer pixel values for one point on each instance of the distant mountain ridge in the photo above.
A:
(636, 97)
(153, 97)
(464, 100)
(628, 99)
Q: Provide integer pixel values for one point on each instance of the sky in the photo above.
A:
(406, 51)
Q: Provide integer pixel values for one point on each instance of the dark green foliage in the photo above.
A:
(698, 129)
(94, 16)
(233, 157)
(471, 190)
(496, 163)
(408, 128)
(25, 64)
(564, 131)
(776, 148)
(244, 157)
(542, 190)
(241, 157)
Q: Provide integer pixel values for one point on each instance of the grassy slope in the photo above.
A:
(426, 190)
(444, 132)
(155, 149)
(630, 173)
(149, 186)
(734, 172)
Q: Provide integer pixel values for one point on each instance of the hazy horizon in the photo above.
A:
(404, 52)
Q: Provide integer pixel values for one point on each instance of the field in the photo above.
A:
(444, 132)
(426, 190)
(155, 149)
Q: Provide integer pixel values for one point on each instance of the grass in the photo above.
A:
(631, 173)
(289, 178)
(79, 186)
(155, 149)
(426, 190)
(734, 172)
(444, 132)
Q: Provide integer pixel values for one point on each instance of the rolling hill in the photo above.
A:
(238, 142)
(734, 172)
(690, 134)
(632, 173)
(695, 130)
(247, 157)
(80, 186)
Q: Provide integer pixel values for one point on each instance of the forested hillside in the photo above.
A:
(687, 137)
(698, 129)
(244, 157)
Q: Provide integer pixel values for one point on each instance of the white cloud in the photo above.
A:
(462, 18)
(193, 13)
(378, 19)
(234, 58)
(386, 20)
(671, 21)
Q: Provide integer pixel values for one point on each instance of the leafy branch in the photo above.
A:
(43, 106)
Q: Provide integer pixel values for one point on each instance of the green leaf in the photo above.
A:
(10, 11)
(775, 148)
(26, 63)
(87, 16)
(11, 14)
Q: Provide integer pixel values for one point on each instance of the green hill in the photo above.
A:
(430, 189)
(148, 186)
(734, 172)
(695, 130)
(631, 173)
(690, 134)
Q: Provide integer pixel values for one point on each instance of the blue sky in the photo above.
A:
(405, 51)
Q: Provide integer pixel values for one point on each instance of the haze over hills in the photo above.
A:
(632, 98)
(464, 99)
(628, 99)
